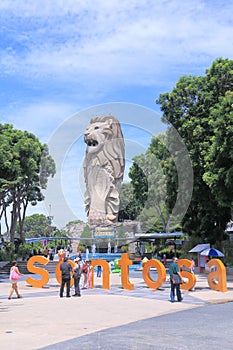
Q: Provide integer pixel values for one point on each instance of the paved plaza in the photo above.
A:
(43, 320)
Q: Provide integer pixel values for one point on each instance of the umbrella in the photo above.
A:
(212, 252)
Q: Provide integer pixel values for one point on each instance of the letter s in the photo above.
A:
(37, 270)
(190, 276)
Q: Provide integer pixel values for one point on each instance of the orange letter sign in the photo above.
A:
(190, 276)
(161, 273)
(106, 272)
(124, 263)
(38, 270)
(219, 275)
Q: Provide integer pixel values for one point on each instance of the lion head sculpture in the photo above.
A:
(103, 169)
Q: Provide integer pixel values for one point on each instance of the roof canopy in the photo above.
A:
(40, 239)
(199, 248)
(156, 235)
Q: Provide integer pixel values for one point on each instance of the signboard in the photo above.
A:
(104, 232)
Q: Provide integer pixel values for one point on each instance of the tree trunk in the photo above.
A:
(13, 222)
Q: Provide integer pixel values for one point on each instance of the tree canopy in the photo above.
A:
(25, 165)
(38, 225)
(154, 183)
(130, 205)
(200, 108)
(219, 160)
(86, 236)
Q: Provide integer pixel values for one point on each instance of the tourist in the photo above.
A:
(46, 252)
(84, 273)
(99, 270)
(192, 270)
(61, 254)
(66, 270)
(51, 253)
(192, 265)
(14, 277)
(164, 259)
(87, 253)
(77, 272)
(89, 274)
(209, 269)
(176, 280)
(93, 249)
(80, 255)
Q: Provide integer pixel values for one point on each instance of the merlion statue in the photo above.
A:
(103, 169)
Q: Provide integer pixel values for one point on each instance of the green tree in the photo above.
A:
(86, 236)
(219, 160)
(121, 237)
(130, 206)
(193, 108)
(73, 222)
(155, 177)
(38, 225)
(133, 194)
(156, 191)
(166, 180)
(139, 181)
(25, 166)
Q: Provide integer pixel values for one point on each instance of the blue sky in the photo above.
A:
(60, 58)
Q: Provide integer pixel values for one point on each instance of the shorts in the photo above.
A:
(13, 281)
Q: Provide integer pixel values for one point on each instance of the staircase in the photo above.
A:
(5, 268)
(50, 267)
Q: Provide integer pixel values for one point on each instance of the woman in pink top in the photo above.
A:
(14, 287)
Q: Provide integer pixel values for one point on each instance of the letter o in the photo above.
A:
(161, 273)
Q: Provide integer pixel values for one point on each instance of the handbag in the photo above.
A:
(176, 279)
(84, 268)
(15, 276)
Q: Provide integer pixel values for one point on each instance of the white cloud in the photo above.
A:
(115, 41)
(39, 118)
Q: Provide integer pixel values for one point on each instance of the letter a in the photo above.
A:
(219, 275)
